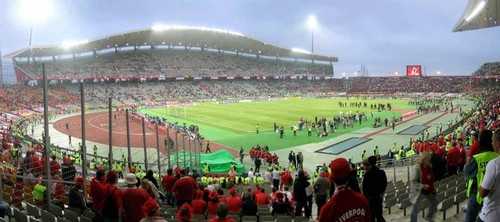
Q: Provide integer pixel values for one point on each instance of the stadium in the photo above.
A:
(190, 123)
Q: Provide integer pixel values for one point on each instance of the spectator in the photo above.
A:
(233, 201)
(261, 198)
(183, 190)
(345, 203)
(77, 201)
(321, 191)
(113, 202)
(199, 205)
(374, 184)
(149, 187)
(98, 191)
(222, 212)
(133, 199)
(281, 205)
(299, 192)
(152, 213)
(184, 213)
(168, 182)
(490, 187)
(150, 176)
(474, 173)
(426, 178)
(248, 206)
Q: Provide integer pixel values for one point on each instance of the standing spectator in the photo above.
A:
(133, 199)
(168, 182)
(68, 170)
(374, 184)
(54, 166)
(490, 187)
(151, 210)
(425, 177)
(76, 200)
(321, 191)
(184, 213)
(184, 190)
(98, 191)
(474, 173)
(453, 159)
(233, 201)
(248, 206)
(300, 160)
(222, 212)
(345, 203)
(150, 176)
(113, 202)
(299, 192)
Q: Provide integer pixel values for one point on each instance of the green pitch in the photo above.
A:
(235, 124)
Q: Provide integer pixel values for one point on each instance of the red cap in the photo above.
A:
(340, 168)
(150, 206)
(79, 180)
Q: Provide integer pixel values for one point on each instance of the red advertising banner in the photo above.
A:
(413, 70)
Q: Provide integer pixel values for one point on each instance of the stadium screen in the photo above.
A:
(413, 70)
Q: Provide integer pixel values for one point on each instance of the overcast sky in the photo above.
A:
(383, 35)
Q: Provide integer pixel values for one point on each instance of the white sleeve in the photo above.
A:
(489, 176)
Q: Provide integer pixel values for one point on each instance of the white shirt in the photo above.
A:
(491, 182)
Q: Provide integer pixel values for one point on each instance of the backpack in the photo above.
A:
(439, 167)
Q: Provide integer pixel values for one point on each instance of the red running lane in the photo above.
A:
(97, 131)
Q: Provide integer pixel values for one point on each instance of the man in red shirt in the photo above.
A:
(133, 199)
(261, 198)
(233, 201)
(184, 190)
(199, 205)
(428, 191)
(345, 205)
(168, 182)
(98, 191)
(453, 159)
(54, 166)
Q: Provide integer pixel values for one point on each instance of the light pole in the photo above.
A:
(312, 24)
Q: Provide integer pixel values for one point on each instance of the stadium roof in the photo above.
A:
(177, 36)
(479, 14)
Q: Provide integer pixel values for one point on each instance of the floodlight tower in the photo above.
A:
(312, 24)
(34, 12)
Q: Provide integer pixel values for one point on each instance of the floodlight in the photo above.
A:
(479, 7)
(35, 11)
(312, 22)
(68, 44)
(299, 50)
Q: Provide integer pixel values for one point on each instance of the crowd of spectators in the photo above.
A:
(489, 69)
(171, 63)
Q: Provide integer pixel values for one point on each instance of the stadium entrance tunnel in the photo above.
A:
(344, 145)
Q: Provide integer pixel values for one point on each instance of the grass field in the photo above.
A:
(235, 124)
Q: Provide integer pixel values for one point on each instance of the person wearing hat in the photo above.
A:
(113, 202)
(374, 185)
(133, 199)
(184, 190)
(76, 199)
(151, 210)
(345, 203)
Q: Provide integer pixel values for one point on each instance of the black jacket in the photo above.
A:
(374, 182)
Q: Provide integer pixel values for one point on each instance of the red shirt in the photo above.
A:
(345, 206)
(233, 203)
(199, 206)
(168, 182)
(184, 188)
(212, 208)
(98, 191)
(54, 166)
(132, 200)
(261, 198)
(474, 148)
(454, 158)
(427, 178)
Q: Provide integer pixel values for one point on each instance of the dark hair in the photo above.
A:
(372, 160)
(485, 144)
(149, 173)
(222, 211)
